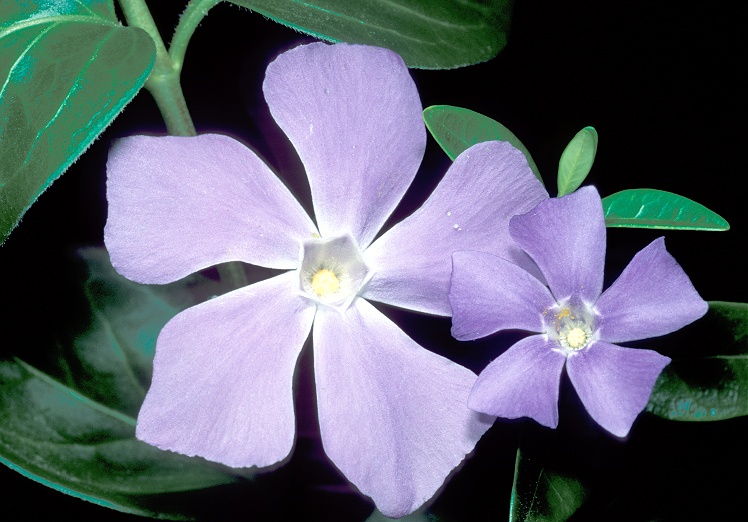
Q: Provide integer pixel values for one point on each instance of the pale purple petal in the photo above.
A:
(354, 116)
(522, 382)
(393, 416)
(222, 376)
(653, 296)
(614, 383)
(566, 238)
(469, 210)
(180, 204)
(489, 294)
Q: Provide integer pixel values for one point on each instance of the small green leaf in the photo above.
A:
(67, 68)
(651, 208)
(456, 130)
(540, 493)
(576, 160)
(75, 431)
(708, 387)
(428, 34)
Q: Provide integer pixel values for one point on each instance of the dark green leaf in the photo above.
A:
(576, 161)
(540, 493)
(456, 129)
(651, 208)
(76, 433)
(708, 387)
(110, 362)
(428, 34)
(67, 69)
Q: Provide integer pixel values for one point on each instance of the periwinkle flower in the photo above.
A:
(576, 322)
(393, 416)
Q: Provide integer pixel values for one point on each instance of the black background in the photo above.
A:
(663, 87)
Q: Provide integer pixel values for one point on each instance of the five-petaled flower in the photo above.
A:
(393, 416)
(576, 322)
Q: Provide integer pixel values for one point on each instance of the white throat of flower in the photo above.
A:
(572, 325)
(332, 271)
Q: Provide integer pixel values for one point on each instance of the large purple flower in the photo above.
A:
(393, 416)
(576, 322)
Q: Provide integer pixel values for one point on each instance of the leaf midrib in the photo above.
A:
(61, 19)
(76, 394)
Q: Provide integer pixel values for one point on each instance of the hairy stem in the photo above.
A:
(163, 83)
(194, 13)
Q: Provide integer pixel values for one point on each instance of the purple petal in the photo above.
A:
(566, 238)
(653, 296)
(180, 204)
(222, 376)
(469, 210)
(522, 382)
(614, 383)
(354, 116)
(393, 416)
(489, 294)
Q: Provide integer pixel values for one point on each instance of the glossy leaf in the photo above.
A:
(576, 160)
(705, 387)
(651, 208)
(428, 34)
(75, 431)
(540, 493)
(456, 129)
(67, 68)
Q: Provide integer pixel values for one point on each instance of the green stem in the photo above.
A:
(163, 83)
(194, 13)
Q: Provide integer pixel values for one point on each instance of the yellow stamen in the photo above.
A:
(576, 338)
(325, 282)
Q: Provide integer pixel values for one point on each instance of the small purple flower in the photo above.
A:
(576, 322)
(393, 416)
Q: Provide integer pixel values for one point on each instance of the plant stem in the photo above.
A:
(163, 83)
(194, 13)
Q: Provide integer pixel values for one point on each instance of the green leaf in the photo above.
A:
(67, 68)
(456, 129)
(540, 493)
(428, 34)
(111, 360)
(651, 208)
(708, 387)
(76, 433)
(576, 160)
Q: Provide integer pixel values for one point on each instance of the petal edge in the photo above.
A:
(218, 394)
(393, 416)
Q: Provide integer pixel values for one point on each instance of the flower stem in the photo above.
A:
(163, 83)
(194, 13)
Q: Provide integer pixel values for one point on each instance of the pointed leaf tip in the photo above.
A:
(651, 208)
(576, 161)
(456, 129)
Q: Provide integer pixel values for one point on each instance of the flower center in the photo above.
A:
(576, 338)
(325, 282)
(332, 271)
(571, 326)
